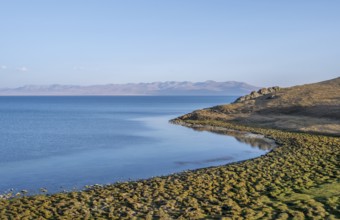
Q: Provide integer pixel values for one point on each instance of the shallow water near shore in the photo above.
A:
(65, 143)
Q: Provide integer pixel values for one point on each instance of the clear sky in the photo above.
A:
(87, 42)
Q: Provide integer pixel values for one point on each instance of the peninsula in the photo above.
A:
(313, 108)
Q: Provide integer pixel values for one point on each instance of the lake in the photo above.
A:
(65, 143)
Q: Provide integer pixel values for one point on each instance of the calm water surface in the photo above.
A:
(69, 142)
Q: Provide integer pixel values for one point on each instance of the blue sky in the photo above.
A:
(87, 42)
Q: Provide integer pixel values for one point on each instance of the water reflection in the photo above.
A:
(254, 140)
(200, 162)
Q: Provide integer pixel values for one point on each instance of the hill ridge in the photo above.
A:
(208, 87)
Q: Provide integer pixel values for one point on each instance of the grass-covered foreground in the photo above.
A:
(299, 179)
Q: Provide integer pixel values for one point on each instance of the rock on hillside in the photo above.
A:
(270, 92)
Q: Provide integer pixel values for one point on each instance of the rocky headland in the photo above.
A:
(313, 108)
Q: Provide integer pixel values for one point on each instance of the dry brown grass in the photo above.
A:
(311, 108)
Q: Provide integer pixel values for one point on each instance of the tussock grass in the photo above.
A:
(298, 180)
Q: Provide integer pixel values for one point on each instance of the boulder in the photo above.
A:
(259, 93)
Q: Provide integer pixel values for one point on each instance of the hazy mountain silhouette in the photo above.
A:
(154, 88)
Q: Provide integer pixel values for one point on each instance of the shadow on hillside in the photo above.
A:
(319, 111)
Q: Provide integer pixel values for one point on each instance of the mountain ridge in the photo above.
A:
(153, 88)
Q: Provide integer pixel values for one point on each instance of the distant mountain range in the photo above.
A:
(154, 88)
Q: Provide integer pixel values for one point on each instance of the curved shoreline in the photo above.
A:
(272, 186)
(10, 193)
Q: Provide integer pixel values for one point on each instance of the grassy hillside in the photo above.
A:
(309, 108)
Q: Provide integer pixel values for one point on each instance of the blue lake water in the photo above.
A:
(69, 142)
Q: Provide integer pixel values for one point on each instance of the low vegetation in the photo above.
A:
(312, 108)
(297, 180)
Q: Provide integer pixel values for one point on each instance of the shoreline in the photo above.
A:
(229, 132)
(17, 193)
(275, 181)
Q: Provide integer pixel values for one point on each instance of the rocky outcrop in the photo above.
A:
(259, 93)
